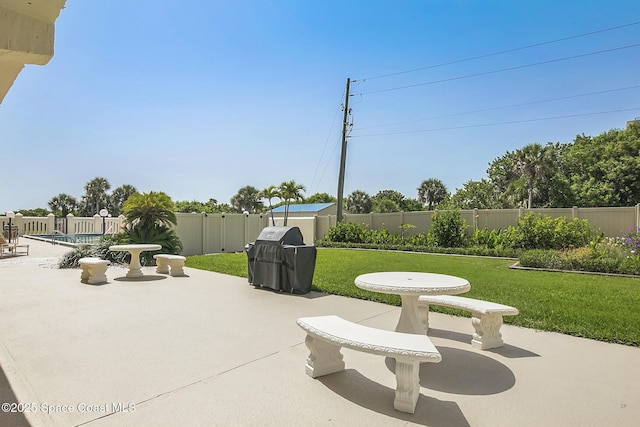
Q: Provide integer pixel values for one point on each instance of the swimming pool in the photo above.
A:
(68, 239)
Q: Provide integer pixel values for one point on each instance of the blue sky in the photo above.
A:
(200, 98)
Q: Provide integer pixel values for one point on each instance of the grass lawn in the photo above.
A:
(605, 308)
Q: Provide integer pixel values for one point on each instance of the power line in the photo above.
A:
(499, 52)
(498, 123)
(333, 122)
(500, 108)
(500, 70)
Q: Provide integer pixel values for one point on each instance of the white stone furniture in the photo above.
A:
(170, 264)
(11, 248)
(327, 334)
(410, 286)
(135, 268)
(94, 270)
(486, 317)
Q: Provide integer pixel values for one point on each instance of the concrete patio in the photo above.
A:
(210, 350)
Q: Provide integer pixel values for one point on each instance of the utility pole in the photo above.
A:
(343, 155)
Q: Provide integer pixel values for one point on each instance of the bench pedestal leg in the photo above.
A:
(162, 266)
(487, 333)
(177, 268)
(84, 274)
(407, 385)
(324, 359)
(94, 274)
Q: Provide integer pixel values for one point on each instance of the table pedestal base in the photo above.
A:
(411, 316)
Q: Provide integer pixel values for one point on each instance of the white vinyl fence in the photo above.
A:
(202, 233)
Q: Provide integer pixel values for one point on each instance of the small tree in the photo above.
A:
(448, 229)
(269, 193)
(290, 191)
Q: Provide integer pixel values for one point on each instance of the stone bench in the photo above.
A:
(327, 334)
(170, 264)
(486, 317)
(93, 270)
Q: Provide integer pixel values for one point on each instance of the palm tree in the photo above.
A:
(289, 191)
(271, 192)
(534, 164)
(119, 196)
(358, 202)
(431, 192)
(247, 200)
(63, 204)
(95, 196)
(146, 210)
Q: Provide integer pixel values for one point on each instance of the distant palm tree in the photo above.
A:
(96, 195)
(63, 204)
(271, 192)
(247, 200)
(534, 165)
(431, 192)
(119, 196)
(358, 202)
(289, 191)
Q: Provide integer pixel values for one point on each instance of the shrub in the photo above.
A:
(98, 250)
(448, 229)
(631, 240)
(537, 231)
(540, 258)
(348, 232)
(490, 238)
(159, 235)
(71, 258)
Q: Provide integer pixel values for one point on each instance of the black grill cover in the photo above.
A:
(280, 260)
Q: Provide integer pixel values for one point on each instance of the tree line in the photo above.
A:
(588, 172)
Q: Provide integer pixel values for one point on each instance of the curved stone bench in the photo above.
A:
(486, 317)
(170, 264)
(327, 334)
(93, 270)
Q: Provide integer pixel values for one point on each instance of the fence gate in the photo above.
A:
(61, 225)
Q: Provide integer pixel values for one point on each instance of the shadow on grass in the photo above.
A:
(356, 388)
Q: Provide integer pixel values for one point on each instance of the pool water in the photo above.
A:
(72, 238)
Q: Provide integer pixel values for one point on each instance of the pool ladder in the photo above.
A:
(59, 233)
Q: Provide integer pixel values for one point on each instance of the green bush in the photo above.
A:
(630, 265)
(71, 258)
(581, 259)
(540, 258)
(537, 231)
(97, 250)
(448, 229)
(348, 232)
(159, 235)
(492, 239)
